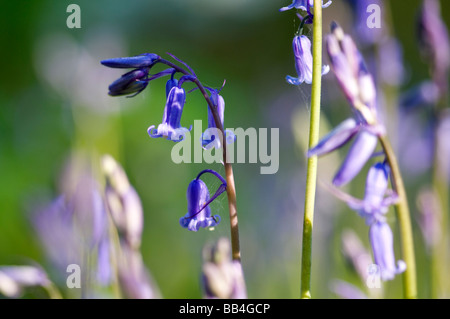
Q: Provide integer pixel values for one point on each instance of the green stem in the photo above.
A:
(407, 243)
(311, 178)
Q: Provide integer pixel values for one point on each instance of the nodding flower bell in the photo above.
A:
(382, 242)
(170, 127)
(373, 208)
(304, 5)
(211, 136)
(351, 72)
(303, 61)
(198, 198)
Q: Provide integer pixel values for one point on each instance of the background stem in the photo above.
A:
(311, 178)
(409, 276)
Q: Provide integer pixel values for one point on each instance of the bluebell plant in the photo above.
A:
(199, 213)
(366, 127)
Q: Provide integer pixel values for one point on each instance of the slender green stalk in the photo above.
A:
(407, 243)
(311, 178)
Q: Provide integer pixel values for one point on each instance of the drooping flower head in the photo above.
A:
(198, 198)
(359, 88)
(170, 127)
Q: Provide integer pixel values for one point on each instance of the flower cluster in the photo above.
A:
(302, 45)
(135, 81)
(365, 128)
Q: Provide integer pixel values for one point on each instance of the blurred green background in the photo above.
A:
(53, 103)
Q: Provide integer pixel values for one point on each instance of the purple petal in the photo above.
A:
(376, 185)
(358, 155)
(382, 242)
(336, 138)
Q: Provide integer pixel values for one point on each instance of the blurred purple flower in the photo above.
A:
(303, 61)
(373, 209)
(430, 217)
(170, 127)
(365, 35)
(359, 87)
(346, 290)
(391, 68)
(75, 223)
(123, 202)
(435, 42)
(424, 94)
(304, 5)
(356, 254)
(382, 241)
(135, 280)
(198, 198)
(13, 279)
(222, 278)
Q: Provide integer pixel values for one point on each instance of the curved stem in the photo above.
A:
(311, 178)
(409, 276)
(229, 176)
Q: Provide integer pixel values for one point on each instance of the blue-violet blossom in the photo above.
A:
(170, 127)
(303, 61)
(359, 88)
(373, 208)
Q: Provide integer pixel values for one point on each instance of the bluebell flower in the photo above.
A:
(170, 127)
(359, 88)
(366, 35)
(303, 61)
(304, 5)
(382, 242)
(210, 138)
(198, 198)
(373, 208)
